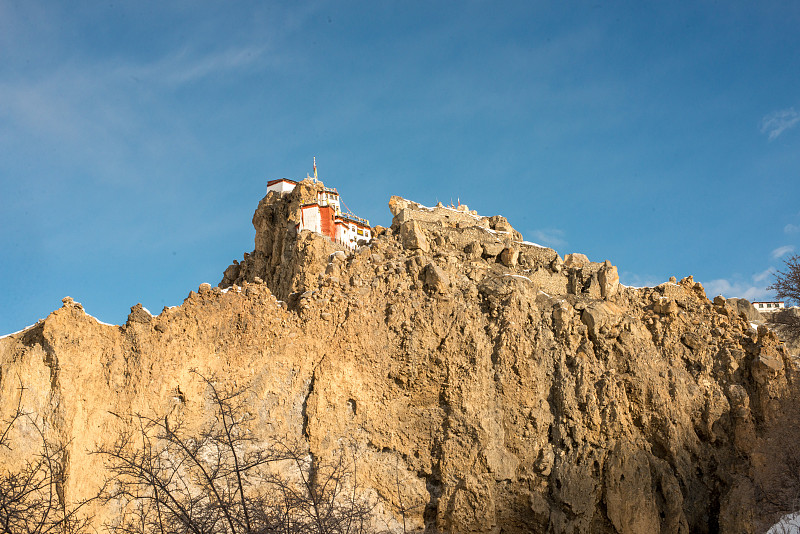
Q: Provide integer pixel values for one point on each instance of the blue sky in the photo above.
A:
(136, 138)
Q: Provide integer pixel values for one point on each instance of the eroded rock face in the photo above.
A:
(508, 391)
(412, 237)
(786, 323)
(282, 258)
(744, 307)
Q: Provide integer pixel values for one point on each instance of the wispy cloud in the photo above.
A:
(89, 122)
(791, 229)
(185, 66)
(735, 288)
(778, 122)
(763, 275)
(113, 118)
(782, 251)
(552, 237)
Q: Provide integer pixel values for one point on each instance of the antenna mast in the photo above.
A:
(315, 169)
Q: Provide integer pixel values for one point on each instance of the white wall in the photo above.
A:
(330, 199)
(773, 306)
(281, 187)
(311, 219)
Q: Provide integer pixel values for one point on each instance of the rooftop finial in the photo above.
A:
(315, 169)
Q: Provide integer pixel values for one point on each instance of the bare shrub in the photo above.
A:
(221, 479)
(32, 496)
(787, 283)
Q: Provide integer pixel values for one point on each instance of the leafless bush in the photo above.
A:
(787, 283)
(32, 496)
(221, 479)
(405, 505)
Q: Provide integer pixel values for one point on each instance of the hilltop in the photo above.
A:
(487, 383)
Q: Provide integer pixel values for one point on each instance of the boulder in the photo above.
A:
(575, 260)
(69, 302)
(501, 224)
(139, 315)
(665, 306)
(412, 237)
(609, 280)
(473, 250)
(601, 316)
(767, 366)
(493, 248)
(435, 278)
(397, 204)
(509, 256)
(693, 341)
(744, 307)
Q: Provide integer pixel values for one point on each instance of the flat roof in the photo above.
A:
(354, 218)
(279, 180)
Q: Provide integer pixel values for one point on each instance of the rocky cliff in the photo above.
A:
(488, 384)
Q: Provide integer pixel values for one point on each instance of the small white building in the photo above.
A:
(349, 229)
(771, 306)
(325, 216)
(281, 185)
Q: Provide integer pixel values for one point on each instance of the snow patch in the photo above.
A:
(476, 217)
(496, 232)
(234, 287)
(98, 320)
(531, 244)
(21, 331)
(417, 205)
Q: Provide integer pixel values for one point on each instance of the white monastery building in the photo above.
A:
(325, 215)
(769, 306)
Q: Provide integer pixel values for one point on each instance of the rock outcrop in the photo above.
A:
(786, 324)
(744, 307)
(509, 389)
